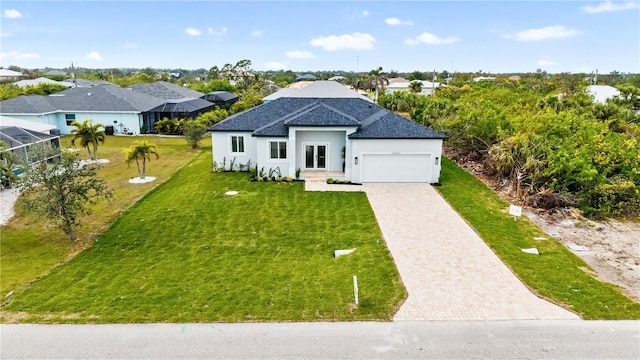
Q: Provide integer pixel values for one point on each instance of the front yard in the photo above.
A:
(189, 253)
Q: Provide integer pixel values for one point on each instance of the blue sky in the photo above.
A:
(492, 36)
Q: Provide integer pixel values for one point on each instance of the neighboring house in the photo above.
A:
(127, 110)
(306, 77)
(221, 97)
(40, 81)
(326, 127)
(10, 75)
(180, 102)
(602, 93)
(304, 91)
(428, 87)
(29, 125)
(24, 143)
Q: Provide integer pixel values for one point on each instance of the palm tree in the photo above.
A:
(140, 151)
(415, 86)
(89, 135)
(378, 79)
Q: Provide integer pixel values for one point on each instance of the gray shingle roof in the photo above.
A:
(97, 98)
(167, 91)
(392, 126)
(27, 104)
(373, 121)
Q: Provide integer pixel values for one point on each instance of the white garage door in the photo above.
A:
(396, 168)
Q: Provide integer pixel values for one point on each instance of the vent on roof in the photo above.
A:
(88, 94)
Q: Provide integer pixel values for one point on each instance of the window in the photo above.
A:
(70, 118)
(278, 149)
(237, 144)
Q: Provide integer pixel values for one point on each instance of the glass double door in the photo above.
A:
(315, 157)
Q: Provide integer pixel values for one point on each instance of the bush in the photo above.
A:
(194, 132)
(168, 126)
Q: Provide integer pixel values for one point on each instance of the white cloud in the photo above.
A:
(431, 39)
(18, 55)
(365, 13)
(545, 62)
(299, 54)
(192, 31)
(396, 21)
(129, 45)
(355, 41)
(609, 6)
(257, 33)
(215, 32)
(549, 32)
(12, 14)
(273, 65)
(94, 55)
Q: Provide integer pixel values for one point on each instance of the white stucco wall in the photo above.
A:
(335, 138)
(263, 150)
(362, 147)
(222, 148)
(129, 120)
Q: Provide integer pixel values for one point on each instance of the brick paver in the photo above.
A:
(447, 269)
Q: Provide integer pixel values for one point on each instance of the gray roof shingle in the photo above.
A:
(373, 121)
(165, 90)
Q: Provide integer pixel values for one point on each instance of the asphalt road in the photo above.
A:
(535, 339)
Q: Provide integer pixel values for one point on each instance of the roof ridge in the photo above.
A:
(339, 112)
(374, 117)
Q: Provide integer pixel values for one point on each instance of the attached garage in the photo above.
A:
(396, 167)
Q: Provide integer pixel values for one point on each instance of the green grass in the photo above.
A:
(30, 246)
(556, 274)
(188, 253)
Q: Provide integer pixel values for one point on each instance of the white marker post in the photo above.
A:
(355, 288)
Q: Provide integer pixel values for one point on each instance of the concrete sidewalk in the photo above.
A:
(448, 270)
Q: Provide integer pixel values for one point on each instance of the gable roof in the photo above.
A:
(371, 120)
(165, 90)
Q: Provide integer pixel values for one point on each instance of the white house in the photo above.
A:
(326, 127)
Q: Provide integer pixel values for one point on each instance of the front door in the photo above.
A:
(315, 157)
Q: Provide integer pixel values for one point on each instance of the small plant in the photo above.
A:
(346, 182)
(329, 180)
(232, 164)
(297, 173)
(288, 179)
(224, 163)
(261, 173)
(253, 174)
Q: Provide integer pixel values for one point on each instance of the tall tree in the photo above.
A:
(89, 134)
(62, 190)
(378, 79)
(140, 152)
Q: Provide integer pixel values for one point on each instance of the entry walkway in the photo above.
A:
(448, 270)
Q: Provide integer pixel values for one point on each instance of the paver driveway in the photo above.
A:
(448, 270)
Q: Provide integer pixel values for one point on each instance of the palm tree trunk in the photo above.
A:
(144, 168)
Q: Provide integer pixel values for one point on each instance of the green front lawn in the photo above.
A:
(188, 253)
(30, 246)
(556, 274)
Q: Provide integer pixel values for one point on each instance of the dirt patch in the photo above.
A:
(611, 248)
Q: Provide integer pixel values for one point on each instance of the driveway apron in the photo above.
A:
(448, 270)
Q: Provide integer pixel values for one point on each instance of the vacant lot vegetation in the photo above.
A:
(188, 252)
